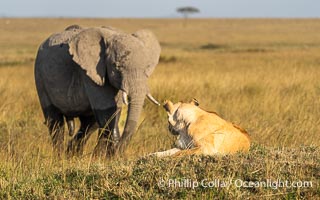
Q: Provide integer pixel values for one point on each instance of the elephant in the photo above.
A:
(88, 73)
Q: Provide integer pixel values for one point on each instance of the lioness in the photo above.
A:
(202, 132)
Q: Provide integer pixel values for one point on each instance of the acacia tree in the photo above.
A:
(186, 11)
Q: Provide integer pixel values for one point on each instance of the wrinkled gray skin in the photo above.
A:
(83, 72)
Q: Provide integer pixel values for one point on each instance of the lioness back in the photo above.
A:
(214, 134)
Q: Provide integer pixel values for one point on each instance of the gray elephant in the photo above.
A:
(88, 73)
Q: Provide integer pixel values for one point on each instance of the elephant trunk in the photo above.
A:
(135, 89)
(136, 100)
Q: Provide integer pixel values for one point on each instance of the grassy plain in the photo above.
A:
(262, 74)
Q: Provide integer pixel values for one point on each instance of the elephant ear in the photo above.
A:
(88, 51)
(152, 47)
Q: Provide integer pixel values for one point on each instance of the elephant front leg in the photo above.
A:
(76, 144)
(109, 131)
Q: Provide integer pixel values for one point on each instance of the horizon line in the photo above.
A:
(189, 18)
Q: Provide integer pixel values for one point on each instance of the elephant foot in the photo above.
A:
(119, 149)
(58, 146)
(104, 148)
(58, 151)
(122, 144)
(75, 148)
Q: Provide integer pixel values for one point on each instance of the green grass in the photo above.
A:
(224, 177)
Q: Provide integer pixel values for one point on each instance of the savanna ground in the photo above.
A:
(261, 74)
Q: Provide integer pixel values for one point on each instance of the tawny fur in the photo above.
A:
(210, 133)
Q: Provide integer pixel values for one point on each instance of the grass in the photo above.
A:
(260, 73)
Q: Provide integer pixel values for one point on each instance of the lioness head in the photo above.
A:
(177, 125)
(171, 108)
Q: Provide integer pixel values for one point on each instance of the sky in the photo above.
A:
(160, 8)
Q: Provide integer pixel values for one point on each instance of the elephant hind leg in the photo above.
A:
(53, 117)
(55, 123)
(76, 144)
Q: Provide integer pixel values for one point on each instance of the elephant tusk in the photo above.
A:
(150, 97)
(125, 98)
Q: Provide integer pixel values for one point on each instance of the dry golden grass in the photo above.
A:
(260, 73)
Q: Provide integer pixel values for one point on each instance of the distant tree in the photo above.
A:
(186, 11)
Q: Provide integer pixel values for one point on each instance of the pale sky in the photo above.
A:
(159, 8)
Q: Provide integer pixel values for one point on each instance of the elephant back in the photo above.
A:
(65, 36)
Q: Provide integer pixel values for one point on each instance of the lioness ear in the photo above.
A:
(88, 51)
(194, 102)
(168, 106)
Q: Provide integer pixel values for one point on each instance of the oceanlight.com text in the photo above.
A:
(217, 183)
